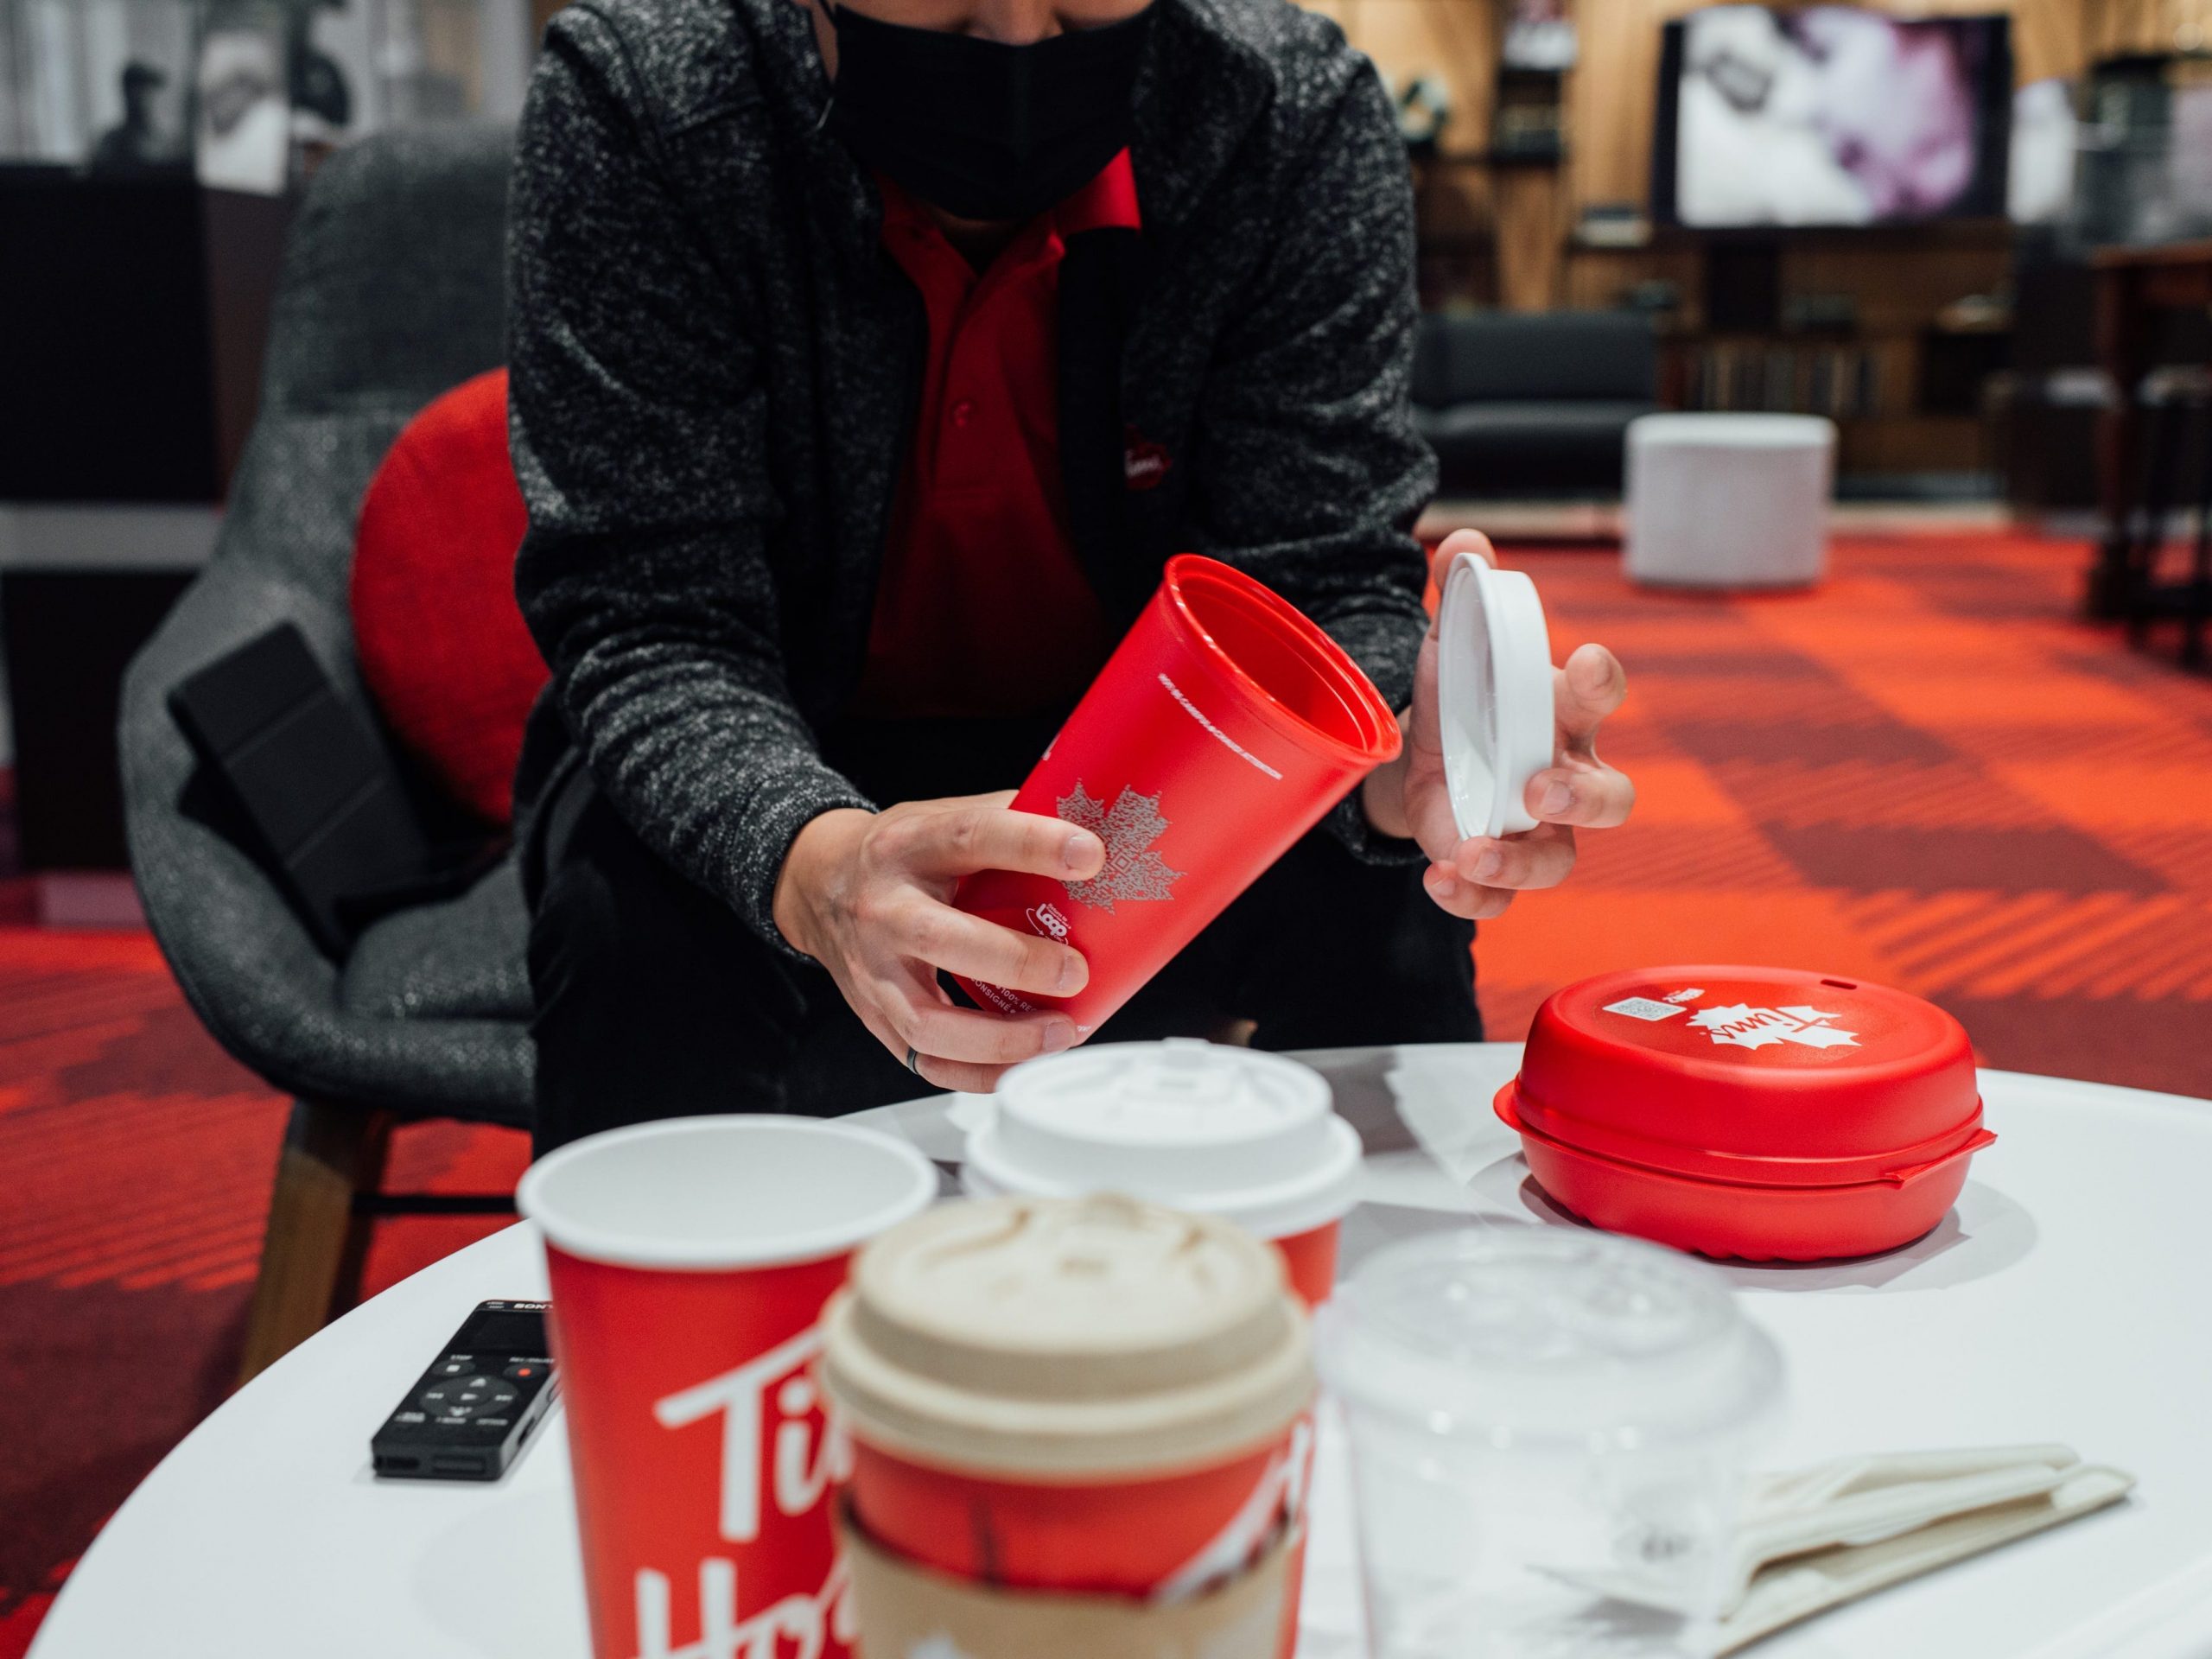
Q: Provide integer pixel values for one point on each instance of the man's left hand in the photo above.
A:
(1477, 877)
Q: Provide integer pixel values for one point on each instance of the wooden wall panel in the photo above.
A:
(1597, 278)
(451, 46)
(1455, 40)
(1531, 238)
(1612, 97)
(2112, 27)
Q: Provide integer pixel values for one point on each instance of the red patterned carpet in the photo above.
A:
(136, 1158)
(1927, 773)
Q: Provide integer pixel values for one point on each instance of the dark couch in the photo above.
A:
(1532, 403)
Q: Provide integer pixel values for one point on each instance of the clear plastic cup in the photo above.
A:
(1535, 1413)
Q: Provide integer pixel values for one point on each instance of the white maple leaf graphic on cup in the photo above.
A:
(1128, 827)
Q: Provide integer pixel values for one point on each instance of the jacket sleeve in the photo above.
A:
(637, 422)
(1311, 473)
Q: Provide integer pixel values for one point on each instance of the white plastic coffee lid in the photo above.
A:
(1494, 695)
(1231, 1132)
(1550, 1338)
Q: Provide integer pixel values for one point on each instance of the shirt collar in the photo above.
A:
(1109, 201)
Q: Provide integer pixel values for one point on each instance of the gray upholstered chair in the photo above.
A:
(391, 293)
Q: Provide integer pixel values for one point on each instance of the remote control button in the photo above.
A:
(523, 1370)
(456, 1368)
(458, 1401)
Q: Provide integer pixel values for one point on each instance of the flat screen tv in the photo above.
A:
(1830, 116)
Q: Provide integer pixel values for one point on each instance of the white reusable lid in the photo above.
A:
(1231, 1132)
(1042, 1337)
(1548, 1338)
(1494, 695)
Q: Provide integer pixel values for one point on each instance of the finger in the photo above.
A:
(968, 945)
(1541, 858)
(993, 797)
(1462, 898)
(924, 1022)
(879, 1025)
(1597, 798)
(958, 1077)
(969, 838)
(1459, 542)
(1429, 815)
(1589, 687)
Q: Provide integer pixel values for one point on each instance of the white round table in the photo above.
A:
(2063, 1300)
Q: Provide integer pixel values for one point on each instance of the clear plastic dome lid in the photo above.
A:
(1518, 1334)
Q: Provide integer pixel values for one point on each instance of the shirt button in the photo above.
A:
(962, 412)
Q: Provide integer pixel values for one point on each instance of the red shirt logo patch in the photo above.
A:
(1144, 463)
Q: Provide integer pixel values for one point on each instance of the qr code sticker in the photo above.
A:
(1643, 1008)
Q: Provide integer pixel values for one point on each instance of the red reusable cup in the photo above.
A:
(1096, 1395)
(1221, 729)
(689, 1262)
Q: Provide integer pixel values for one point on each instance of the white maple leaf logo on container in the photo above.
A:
(1740, 1026)
(1128, 827)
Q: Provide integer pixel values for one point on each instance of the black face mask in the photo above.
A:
(978, 128)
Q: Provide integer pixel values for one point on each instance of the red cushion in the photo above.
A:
(440, 641)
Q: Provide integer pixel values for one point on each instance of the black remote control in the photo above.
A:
(469, 1416)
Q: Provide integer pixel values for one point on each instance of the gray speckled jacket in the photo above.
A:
(715, 363)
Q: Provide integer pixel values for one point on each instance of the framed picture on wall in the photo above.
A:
(241, 138)
(104, 84)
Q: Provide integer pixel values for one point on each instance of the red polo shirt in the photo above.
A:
(983, 607)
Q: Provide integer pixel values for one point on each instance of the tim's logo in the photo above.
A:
(1048, 922)
(1144, 463)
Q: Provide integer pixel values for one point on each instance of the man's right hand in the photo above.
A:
(869, 895)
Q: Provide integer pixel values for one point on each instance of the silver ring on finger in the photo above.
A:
(913, 1061)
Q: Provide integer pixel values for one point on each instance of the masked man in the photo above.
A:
(869, 362)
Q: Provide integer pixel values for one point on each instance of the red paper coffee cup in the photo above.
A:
(1223, 729)
(1091, 1394)
(690, 1261)
(1239, 1133)
(1310, 1260)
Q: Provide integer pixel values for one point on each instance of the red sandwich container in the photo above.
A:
(1765, 1113)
